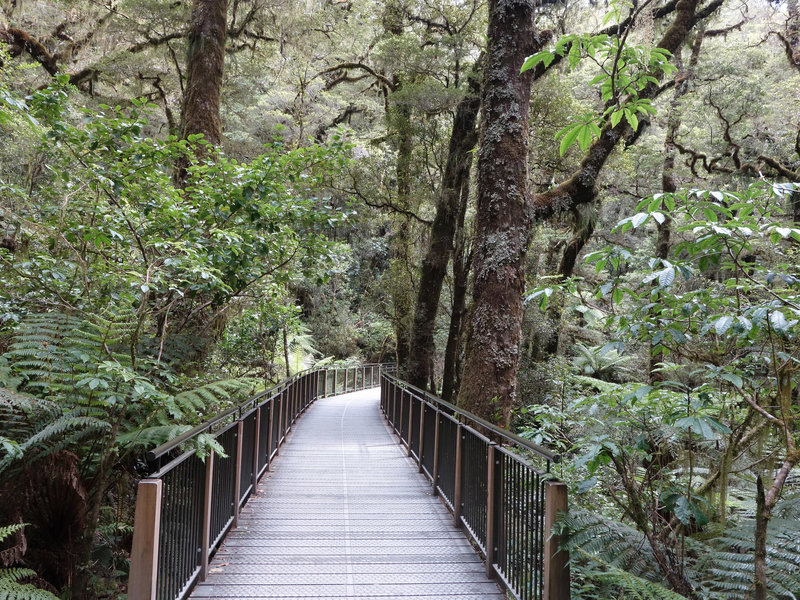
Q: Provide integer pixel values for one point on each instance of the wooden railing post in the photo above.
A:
(435, 474)
(146, 533)
(335, 375)
(207, 499)
(556, 562)
(255, 448)
(457, 478)
(237, 483)
(491, 459)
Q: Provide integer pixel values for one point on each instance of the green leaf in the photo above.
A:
(570, 135)
(632, 119)
(732, 378)
(723, 324)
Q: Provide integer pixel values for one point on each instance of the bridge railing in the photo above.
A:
(187, 504)
(497, 486)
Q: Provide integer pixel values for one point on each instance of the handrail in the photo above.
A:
(153, 455)
(498, 431)
(186, 506)
(504, 502)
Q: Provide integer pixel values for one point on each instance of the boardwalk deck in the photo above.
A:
(345, 514)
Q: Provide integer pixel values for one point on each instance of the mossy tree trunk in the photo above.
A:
(205, 62)
(488, 384)
(455, 183)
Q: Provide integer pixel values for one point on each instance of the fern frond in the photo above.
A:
(627, 582)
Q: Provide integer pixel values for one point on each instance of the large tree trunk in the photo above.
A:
(399, 126)
(488, 385)
(440, 246)
(200, 114)
(206, 60)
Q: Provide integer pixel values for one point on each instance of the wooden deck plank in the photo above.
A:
(345, 515)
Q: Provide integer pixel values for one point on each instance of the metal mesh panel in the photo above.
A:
(223, 486)
(520, 538)
(429, 439)
(181, 527)
(263, 438)
(416, 406)
(473, 484)
(247, 477)
(448, 431)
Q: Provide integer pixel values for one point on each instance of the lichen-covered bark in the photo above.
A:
(201, 102)
(440, 245)
(488, 385)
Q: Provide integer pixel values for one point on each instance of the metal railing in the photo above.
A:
(497, 486)
(187, 504)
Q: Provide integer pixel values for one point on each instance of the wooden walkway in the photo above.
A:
(345, 514)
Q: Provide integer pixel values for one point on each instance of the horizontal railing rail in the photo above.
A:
(497, 485)
(187, 504)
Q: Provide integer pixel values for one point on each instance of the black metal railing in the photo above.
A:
(188, 503)
(497, 485)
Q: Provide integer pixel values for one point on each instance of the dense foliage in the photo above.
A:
(149, 278)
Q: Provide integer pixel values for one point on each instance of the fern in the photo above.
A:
(598, 536)
(11, 587)
(726, 568)
(638, 587)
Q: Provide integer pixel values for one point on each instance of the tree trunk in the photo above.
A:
(399, 126)
(668, 184)
(401, 280)
(462, 261)
(488, 386)
(760, 556)
(206, 60)
(440, 246)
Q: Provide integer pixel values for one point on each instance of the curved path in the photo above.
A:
(345, 514)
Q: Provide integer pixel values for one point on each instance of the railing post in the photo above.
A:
(457, 479)
(421, 433)
(490, 510)
(238, 480)
(146, 533)
(207, 499)
(435, 474)
(556, 562)
(335, 375)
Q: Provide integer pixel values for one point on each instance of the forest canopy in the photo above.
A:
(579, 220)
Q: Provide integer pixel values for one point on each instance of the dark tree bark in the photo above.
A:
(760, 543)
(504, 216)
(206, 60)
(488, 385)
(462, 261)
(455, 181)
